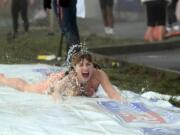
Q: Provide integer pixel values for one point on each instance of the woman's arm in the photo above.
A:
(107, 86)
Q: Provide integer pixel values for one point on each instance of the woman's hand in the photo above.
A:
(122, 100)
(56, 96)
(1, 78)
(1, 74)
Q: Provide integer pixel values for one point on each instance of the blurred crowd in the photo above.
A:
(161, 16)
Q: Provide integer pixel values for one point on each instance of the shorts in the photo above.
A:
(106, 3)
(47, 4)
(156, 12)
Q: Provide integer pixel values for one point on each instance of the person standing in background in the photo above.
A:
(172, 23)
(107, 14)
(156, 19)
(55, 7)
(2, 2)
(19, 7)
(68, 21)
(48, 8)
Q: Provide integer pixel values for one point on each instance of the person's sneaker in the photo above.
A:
(176, 27)
(168, 29)
(111, 31)
(106, 29)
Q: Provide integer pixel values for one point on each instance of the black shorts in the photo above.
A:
(47, 4)
(106, 3)
(156, 12)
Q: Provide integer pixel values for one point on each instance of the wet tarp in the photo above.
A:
(30, 113)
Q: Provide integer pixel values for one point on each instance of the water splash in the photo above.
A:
(74, 49)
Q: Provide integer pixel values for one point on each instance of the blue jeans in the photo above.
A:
(171, 12)
(55, 7)
(69, 24)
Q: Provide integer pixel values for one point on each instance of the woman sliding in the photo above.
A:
(82, 79)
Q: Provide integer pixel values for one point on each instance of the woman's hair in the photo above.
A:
(76, 58)
(76, 54)
(81, 56)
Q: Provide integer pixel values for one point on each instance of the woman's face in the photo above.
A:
(84, 70)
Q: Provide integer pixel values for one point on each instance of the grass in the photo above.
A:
(101, 41)
(28, 46)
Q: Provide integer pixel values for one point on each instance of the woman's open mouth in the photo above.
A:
(85, 75)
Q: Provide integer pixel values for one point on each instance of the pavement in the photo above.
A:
(168, 60)
(122, 29)
(163, 55)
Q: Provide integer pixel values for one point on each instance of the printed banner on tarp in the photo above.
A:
(134, 112)
(161, 131)
(137, 114)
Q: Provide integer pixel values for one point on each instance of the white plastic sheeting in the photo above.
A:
(34, 114)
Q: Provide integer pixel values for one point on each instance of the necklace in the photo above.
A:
(83, 88)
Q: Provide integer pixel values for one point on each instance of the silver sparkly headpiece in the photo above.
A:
(75, 50)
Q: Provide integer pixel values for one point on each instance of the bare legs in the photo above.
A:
(156, 33)
(16, 83)
(22, 85)
(108, 17)
(149, 34)
(107, 14)
(50, 21)
(156, 20)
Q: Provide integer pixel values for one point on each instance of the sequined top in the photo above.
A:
(68, 86)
